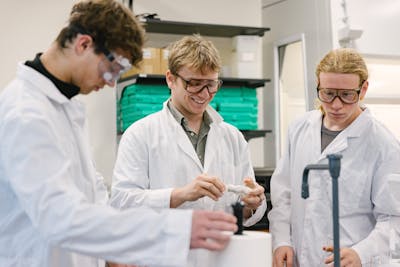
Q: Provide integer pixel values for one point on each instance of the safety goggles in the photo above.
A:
(114, 66)
(348, 96)
(195, 86)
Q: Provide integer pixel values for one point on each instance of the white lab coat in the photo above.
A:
(53, 208)
(371, 157)
(155, 155)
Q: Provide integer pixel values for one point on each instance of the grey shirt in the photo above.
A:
(327, 136)
(198, 140)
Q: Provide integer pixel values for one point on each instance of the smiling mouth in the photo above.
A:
(198, 101)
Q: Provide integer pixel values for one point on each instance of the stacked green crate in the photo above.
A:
(138, 101)
(238, 106)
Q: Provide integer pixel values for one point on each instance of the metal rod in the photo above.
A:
(335, 217)
(304, 186)
(334, 170)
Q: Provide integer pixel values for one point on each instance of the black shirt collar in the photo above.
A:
(67, 89)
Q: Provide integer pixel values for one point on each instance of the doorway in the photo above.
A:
(290, 86)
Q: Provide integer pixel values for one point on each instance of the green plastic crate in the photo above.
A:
(239, 116)
(237, 107)
(244, 125)
(138, 101)
(145, 89)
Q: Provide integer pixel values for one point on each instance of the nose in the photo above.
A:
(337, 103)
(205, 91)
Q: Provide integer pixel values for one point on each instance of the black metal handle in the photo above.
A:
(238, 212)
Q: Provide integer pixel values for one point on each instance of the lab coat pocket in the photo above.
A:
(351, 186)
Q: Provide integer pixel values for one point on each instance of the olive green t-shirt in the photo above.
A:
(198, 140)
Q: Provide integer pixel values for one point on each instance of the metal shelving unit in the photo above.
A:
(233, 82)
(160, 79)
(185, 28)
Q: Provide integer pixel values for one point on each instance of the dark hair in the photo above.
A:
(111, 25)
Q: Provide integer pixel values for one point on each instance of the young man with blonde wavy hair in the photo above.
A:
(183, 156)
(302, 229)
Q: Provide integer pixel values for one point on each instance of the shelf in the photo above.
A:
(263, 171)
(157, 79)
(251, 83)
(188, 28)
(160, 79)
(249, 134)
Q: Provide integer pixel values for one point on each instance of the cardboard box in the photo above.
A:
(149, 65)
(164, 53)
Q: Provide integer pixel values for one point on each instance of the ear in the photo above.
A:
(83, 43)
(171, 79)
(364, 88)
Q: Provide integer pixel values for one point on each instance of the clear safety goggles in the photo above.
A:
(112, 68)
(348, 96)
(195, 86)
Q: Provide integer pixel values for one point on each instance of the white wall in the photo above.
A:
(229, 12)
(28, 27)
(378, 19)
(288, 19)
(379, 43)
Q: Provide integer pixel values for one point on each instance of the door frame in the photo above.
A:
(285, 41)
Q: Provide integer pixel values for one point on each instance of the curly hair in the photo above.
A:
(110, 24)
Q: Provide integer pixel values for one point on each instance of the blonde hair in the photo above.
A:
(195, 52)
(342, 60)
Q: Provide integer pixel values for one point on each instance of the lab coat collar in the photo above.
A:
(41, 82)
(183, 141)
(74, 108)
(215, 117)
(214, 114)
(179, 134)
(340, 143)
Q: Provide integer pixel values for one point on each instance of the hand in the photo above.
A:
(202, 185)
(348, 257)
(283, 255)
(254, 198)
(208, 227)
